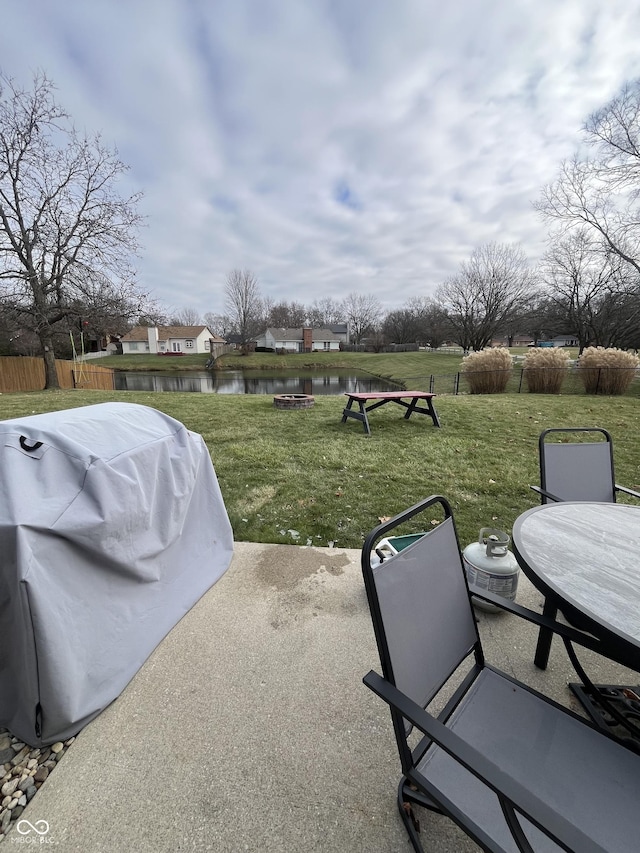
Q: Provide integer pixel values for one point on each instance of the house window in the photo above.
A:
(188, 344)
(175, 346)
(133, 346)
(326, 345)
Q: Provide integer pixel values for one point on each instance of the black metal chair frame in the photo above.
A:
(542, 490)
(516, 799)
(543, 646)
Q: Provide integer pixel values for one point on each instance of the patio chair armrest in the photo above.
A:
(545, 494)
(627, 491)
(567, 632)
(511, 793)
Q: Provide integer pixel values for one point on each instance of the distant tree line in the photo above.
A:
(580, 289)
(68, 239)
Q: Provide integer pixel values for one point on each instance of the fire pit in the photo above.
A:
(293, 401)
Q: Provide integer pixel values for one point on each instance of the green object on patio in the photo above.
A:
(393, 544)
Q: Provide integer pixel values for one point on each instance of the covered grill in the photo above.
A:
(112, 526)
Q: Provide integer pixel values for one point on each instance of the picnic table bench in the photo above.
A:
(408, 399)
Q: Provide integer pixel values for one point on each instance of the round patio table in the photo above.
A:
(585, 559)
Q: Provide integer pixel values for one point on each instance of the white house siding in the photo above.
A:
(565, 341)
(269, 340)
(326, 346)
(135, 347)
(196, 344)
(294, 344)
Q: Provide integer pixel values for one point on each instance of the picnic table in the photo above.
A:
(408, 399)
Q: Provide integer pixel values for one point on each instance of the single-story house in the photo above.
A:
(304, 339)
(517, 340)
(341, 330)
(190, 340)
(567, 340)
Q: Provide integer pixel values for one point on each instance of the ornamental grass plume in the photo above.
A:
(607, 370)
(487, 371)
(545, 369)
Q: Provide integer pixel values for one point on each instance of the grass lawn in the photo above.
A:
(303, 477)
(407, 368)
(150, 362)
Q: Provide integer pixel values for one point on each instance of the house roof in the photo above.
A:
(296, 334)
(165, 333)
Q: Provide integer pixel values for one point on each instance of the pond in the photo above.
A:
(253, 382)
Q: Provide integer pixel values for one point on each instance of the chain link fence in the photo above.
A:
(573, 383)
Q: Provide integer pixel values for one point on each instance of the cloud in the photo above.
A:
(328, 146)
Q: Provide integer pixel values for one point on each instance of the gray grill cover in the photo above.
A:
(110, 531)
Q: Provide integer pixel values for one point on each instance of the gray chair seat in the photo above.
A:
(546, 751)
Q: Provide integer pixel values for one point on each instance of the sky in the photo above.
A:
(328, 146)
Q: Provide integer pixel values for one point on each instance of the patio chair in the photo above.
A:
(513, 769)
(574, 470)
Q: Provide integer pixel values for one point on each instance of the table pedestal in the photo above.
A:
(623, 700)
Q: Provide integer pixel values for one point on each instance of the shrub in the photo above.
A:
(545, 370)
(607, 371)
(487, 371)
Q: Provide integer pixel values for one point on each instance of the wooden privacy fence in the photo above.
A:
(18, 373)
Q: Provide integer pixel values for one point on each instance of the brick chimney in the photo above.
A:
(307, 339)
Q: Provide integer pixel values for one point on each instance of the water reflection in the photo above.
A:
(252, 382)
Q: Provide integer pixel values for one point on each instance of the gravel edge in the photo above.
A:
(23, 770)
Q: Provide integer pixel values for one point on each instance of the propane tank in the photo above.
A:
(491, 566)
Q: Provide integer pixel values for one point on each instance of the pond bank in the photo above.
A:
(314, 383)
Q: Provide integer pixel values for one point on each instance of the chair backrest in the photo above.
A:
(421, 608)
(577, 470)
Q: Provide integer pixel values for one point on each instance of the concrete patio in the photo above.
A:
(249, 727)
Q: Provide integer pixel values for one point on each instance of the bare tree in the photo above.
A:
(15, 337)
(602, 191)
(542, 318)
(219, 324)
(287, 315)
(63, 228)
(596, 293)
(432, 325)
(363, 314)
(326, 312)
(153, 314)
(400, 327)
(186, 317)
(484, 295)
(244, 305)
(101, 310)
